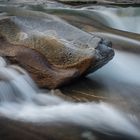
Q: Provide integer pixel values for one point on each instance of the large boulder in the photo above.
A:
(51, 50)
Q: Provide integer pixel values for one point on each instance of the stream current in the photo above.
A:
(21, 100)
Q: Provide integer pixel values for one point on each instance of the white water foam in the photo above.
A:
(20, 99)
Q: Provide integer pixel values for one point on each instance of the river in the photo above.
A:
(101, 106)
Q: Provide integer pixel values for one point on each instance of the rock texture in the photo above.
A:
(51, 55)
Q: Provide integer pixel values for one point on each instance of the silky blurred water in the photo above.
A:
(126, 19)
(22, 100)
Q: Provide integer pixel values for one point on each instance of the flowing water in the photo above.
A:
(125, 19)
(116, 113)
(20, 99)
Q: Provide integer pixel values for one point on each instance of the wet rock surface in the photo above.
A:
(52, 61)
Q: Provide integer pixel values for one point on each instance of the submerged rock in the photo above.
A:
(51, 50)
